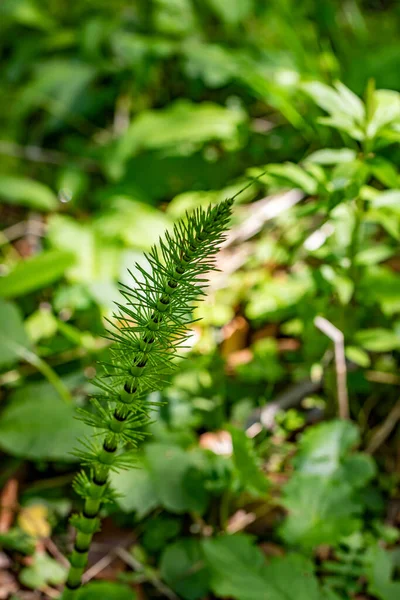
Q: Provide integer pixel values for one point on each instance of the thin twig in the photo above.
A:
(383, 431)
(137, 566)
(99, 566)
(340, 362)
(42, 155)
(55, 552)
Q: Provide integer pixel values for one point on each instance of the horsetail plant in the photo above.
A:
(147, 333)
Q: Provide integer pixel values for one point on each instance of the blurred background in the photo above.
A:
(116, 118)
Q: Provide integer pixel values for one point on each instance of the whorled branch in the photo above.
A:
(151, 328)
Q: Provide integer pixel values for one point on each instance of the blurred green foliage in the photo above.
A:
(116, 118)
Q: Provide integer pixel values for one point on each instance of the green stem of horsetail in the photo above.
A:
(147, 333)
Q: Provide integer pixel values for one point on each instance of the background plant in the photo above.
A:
(116, 121)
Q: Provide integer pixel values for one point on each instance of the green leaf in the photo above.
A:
(379, 572)
(182, 568)
(294, 175)
(346, 109)
(27, 192)
(384, 171)
(322, 496)
(159, 531)
(358, 356)
(214, 64)
(386, 112)
(136, 224)
(12, 334)
(238, 570)
(321, 511)
(57, 86)
(178, 476)
(245, 461)
(26, 12)
(381, 285)
(97, 259)
(44, 571)
(35, 273)
(322, 448)
(378, 339)
(17, 540)
(138, 490)
(292, 576)
(332, 156)
(107, 590)
(182, 128)
(390, 200)
(37, 424)
(232, 12)
(168, 476)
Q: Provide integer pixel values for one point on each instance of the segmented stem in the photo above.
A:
(150, 329)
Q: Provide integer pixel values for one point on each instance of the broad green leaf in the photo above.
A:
(178, 477)
(340, 103)
(352, 102)
(384, 171)
(245, 461)
(346, 111)
(27, 192)
(378, 339)
(159, 531)
(321, 448)
(57, 85)
(214, 64)
(279, 296)
(292, 576)
(26, 12)
(44, 571)
(382, 285)
(41, 324)
(97, 259)
(332, 156)
(17, 540)
(182, 568)
(12, 334)
(294, 175)
(174, 17)
(322, 496)
(106, 590)
(390, 200)
(386, 112)
(380, 567)
(35, 273)
(232, 12)
(182, 127)
(238, 570)
(374, 255)
(321, 511)
(38, 425)
(358, 356)
(136, 224)
(137, 489)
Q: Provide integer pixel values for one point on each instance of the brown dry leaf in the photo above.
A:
(34, 521)
(288, 344)
(240, 520)
(8, 585)
(219, 442)
(241, 357)
(270, 549)
(8, 503)
(234, 335)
